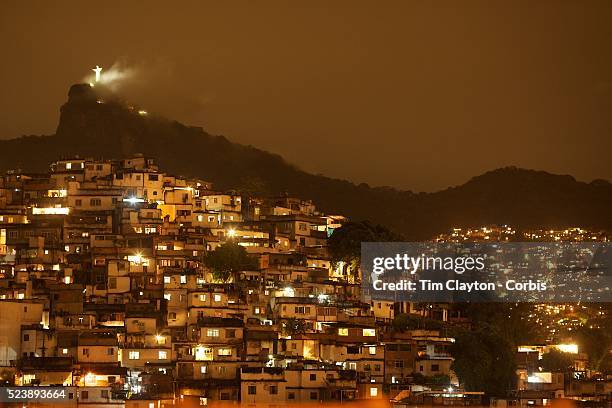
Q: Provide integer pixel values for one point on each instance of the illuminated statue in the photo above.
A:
(97, 70)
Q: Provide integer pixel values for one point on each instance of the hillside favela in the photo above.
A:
(130, 286)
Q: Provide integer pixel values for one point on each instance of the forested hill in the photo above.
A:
(94, 123)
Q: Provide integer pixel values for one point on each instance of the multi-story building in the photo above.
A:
(104, 288)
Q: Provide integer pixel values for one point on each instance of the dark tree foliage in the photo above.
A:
(557, 361)
(509, 320)
(229, 259)
(293, 326)
(345, 243)
(484, 361)
(440, 380)
(485, 355)
(403, 322)
(597, 343)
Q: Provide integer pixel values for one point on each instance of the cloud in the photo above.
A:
(157, 85)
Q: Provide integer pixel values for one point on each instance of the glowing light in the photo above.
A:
(288, 292)
(50, 211)
(203, 353)
(57, 193)
(567, 348)
(160, 339)
(540, 378)
(231, 233)
(90, 379)
(98, 71)
(134, 200)
(138, 259)
(369, 332)
(143, 112)
(322, 298)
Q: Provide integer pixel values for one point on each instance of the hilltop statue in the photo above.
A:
(98, 71)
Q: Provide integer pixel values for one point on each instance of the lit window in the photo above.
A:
(343, 332)
(166, 279)
(138, 260)
(373, 392)
(167, 296)
(162, 355)
(225, 352)
(372, 350)
(369, 332)
(183, 279)
(134, 355)
(217, 297)
(203, 353)
(64, 351)
(203, 369)
(202, 298)
(68, 166)
(212, 332)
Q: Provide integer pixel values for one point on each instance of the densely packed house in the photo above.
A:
(104, 290)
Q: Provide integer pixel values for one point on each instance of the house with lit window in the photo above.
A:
(400, 356)
(312, 384)
(352, 332)
(98, 347)
(229, 206)
(44, 371)
(38, 341)
(433, 355)
(261, 342)
(262, 386)
(296, 308)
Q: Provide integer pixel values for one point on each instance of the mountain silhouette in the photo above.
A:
(96, 123)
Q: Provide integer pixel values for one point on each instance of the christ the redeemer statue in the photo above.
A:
(97, 70)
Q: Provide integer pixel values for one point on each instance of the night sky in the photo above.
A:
(414, 94)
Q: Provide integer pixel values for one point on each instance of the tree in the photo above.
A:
(229, 259)
(293, 326)
(403, 322)
(597, 343)
(557, 361)
(345, 243)
(439, 380)
(508, 320)
(485, 355)
(484, 361)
